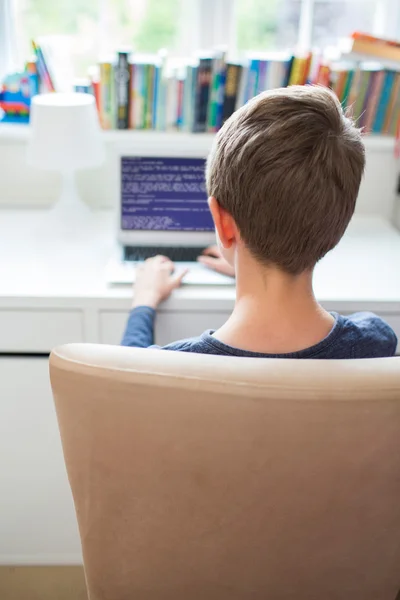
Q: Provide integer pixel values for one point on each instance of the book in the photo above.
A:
(172, 101)
(262, 76)
(288, 71)
(375, 47)
(299, 70)
(367, 101)
(202, 94)
(347, 88)
(122, 89)
(395, 117)
(323, 75)
(373, 101)
(149, 95)
(365, 77)
(233, 76)
(156, 75)
(383, 102)
(216, 89)
(339, 85)
(42, 68)
(180, 90)
(252, 79)
(132, 96)
(354, 89)
(31, 69)
(106, 96)
(241, 95)
(161, 91)
(220, 97)
(392, 104)
(138, 106)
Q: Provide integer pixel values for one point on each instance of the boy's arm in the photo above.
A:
(154, 283)
(139, 330)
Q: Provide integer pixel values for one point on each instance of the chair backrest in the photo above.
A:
(198, 477)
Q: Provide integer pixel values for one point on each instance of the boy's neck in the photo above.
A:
(275, 313)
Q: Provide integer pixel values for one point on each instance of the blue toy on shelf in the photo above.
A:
(16, 93)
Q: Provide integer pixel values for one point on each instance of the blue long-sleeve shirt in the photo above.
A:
(362, 335)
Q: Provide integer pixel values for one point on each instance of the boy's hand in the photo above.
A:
(155, 281)
(213, 259)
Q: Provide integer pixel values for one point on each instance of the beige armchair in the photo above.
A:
(198, 477)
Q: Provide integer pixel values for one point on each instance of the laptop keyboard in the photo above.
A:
(174, 253)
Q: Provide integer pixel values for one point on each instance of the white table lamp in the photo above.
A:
(65, 136)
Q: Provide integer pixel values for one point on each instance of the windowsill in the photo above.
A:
(14, 133)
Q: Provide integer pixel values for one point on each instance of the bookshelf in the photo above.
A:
(12, 133)
(392, 65)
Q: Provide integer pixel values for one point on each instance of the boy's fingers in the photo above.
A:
(177, 279)
(211, 251)
(209, 261)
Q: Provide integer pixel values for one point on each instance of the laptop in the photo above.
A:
(163, 209)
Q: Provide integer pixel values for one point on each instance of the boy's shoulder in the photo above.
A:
(368, 335)
(360, 335)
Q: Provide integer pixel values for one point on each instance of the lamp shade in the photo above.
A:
(65, 133)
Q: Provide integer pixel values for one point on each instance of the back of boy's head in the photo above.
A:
(288, 166)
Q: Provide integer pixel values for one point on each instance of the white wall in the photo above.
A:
(23, 186)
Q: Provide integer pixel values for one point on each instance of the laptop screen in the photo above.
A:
(164, 194)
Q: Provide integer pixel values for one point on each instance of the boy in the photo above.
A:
(282, 177)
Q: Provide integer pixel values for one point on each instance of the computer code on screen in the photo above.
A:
(167, 194)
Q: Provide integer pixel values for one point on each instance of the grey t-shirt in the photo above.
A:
(362, 335)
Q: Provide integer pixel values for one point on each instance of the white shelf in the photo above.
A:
(366, 58)
(16, 133)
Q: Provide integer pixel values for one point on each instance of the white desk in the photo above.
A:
(53, 291)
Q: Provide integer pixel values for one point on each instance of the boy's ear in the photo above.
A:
(224, 223)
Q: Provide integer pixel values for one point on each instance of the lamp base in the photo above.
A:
(70, 214)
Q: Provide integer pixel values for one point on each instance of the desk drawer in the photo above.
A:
(38, 330)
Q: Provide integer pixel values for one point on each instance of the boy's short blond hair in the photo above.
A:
(287, 166)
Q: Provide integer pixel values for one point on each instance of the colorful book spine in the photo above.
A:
(220, 98)
(361, 93)
(383, 102)
(252, 80)
(299, 72)
(161, 93)
(368, 97)
(156, 75)
(392, 104)
(106, 96)
(138, 107)
(340, 83)
(233, 76)
(96, 94)
(347, 88)
(217, 69)
(323, 76)
(241, 95)
(122, 82)
(373, 101)
(191, 124)
(395, 118)
(262, 76)
(202, 94)
(31, 69)
(43, 71)
(288, 71)
(149, 96)
(180, 90)
(172, 102)
(132, 96)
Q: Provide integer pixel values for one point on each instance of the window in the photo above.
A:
(86, 30)
(283, 24)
